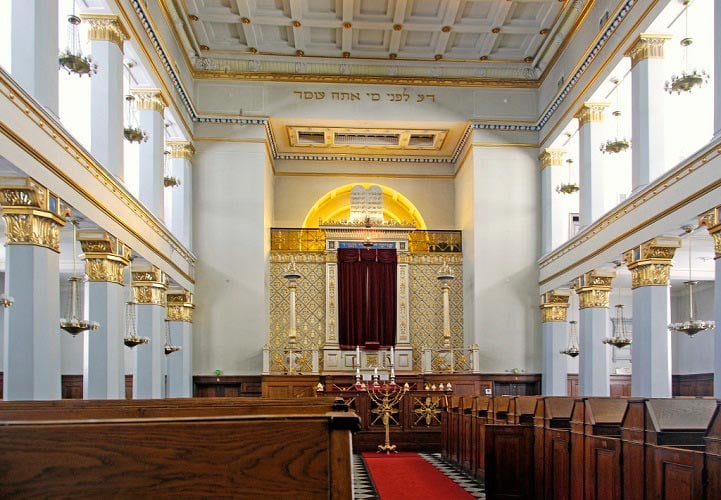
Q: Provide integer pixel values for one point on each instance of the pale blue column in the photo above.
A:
(106, 35)
(180, 363)
(149, 367)
(34, 49)
(178, 203)
(716, 78)
(591, 173)
(650, 266)
(104, 356)
(554, 329)
(552, 206)
(150, 105)
(712, 221)
(593, 291)
(647, 117)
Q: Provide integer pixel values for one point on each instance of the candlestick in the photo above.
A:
(392, 357)
(357, 354)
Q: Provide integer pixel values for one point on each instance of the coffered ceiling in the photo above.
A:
(461, 39)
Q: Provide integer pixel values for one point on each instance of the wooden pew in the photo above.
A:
(454, 424)
(466, 437)
(268, 456)
(557, 445)
(500, 411)
(509, 461)
(480, 417)
(713, 455)
(524, 408)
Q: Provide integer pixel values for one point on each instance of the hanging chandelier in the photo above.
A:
(572, 349)
(692, 326)
(570, 187)
(618, 144)
(686, 80)
(131, 338)
(620, 337)
(132, 131)
(168, 180)
(72, 324)
(72, 58)
(168, 347)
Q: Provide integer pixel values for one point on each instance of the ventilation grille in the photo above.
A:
(311, 138)
(366, 138)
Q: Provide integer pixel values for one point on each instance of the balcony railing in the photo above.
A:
(435, 241)
(297, 240)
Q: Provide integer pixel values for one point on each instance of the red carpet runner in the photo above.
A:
(408, 475)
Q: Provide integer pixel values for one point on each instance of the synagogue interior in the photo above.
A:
(436, 211)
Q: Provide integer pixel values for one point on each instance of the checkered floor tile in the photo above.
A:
(363, 487)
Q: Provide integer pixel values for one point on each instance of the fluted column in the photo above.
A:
(712, 221)
(178, 199)
(180, 364)
(593, 289)
(34, 49)
(107, 34)
(552, 204)
(31, 355)
(149, 285)
(647, 117)
(650, 266)
(591, 173)
(151, 104)
(104, 360)
(554, 308)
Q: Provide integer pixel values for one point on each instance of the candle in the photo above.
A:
(357, 354)
(375, 372)
(392, 358)
(393, 372)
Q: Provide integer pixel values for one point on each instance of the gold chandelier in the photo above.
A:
(618, 144)
(72, 59)
(572, 350)
(168, 347)
(570, 187)
(72, 324)
(132, 131)
(687, 79)
(131, 338)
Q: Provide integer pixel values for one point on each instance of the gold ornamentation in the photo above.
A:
(33, 228)
(179, 304)
(149, 100)
(593, 288)
(427, 409)
(297, 240)
(552, 157)
(647, 46)
(180, 149)
(435, 241)
(149, 285)
(554, 305)
(650, 262)
(105, 256)
(103, 27)
(591, 112)
(712, 221)
(106, 270)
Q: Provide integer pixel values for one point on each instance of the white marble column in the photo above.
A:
(717, 71)
(104, 360)
(712, 221)
(107, 34)
(650, 266)
(180, 363)
(178, 199)
(591, 172)
(553, 213)
(554, 308)
(151, 104)
(149, 285)
(34, 49)
(594, 289)
(31, 354)
(647, 117)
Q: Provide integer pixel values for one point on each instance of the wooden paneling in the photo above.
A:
(509, 461)
(221, 386)
(696, 384)
(619, 385)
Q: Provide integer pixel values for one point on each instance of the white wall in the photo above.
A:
(692, 354)
(230, 322)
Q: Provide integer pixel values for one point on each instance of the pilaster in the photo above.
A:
(105, 258)
(647, 117)
(149, 285)
(178, 200)
(32, 237)
(593, 289)
(554, 308)
(180, 364)
(712, 221)
(150, 105)
(650, 266)
(591, 174)
(552, 204)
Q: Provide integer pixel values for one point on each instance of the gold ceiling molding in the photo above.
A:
(48, 127)
(554, 305)
(105, 256)
(591, 112)
(371, 138)
(712, 221)
(647, 46)
(650, 263)
(552, 157)
(104, 27)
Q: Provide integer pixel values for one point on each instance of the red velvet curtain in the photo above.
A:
(366, 297)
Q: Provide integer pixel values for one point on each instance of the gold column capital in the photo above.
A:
(149, 284)
(594, 288)
(650, 262)
(712, 221)
(180, 149)
(105, 256)
(106, 27)
(591, 112)
(647, 46)
(31, 213)
(180, 305)
(551, 157)
(554, 305)
(149, 100)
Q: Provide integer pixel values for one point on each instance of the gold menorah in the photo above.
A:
(386, 396)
